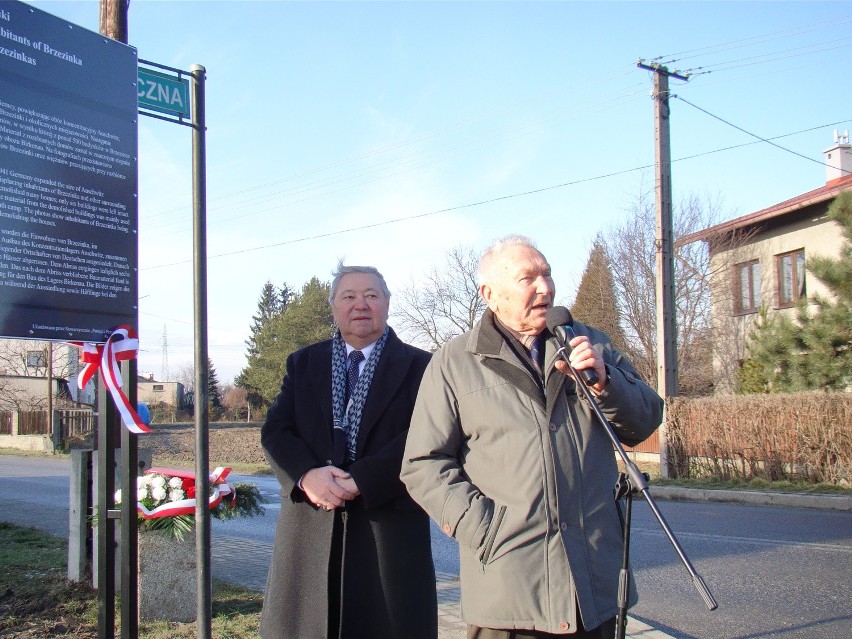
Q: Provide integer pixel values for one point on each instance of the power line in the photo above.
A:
(432, 154)
(784, 34)
(765, 58)
(496, 199)
(406, 218)
(754, 135)
(517, 106)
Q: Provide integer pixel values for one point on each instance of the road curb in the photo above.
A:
(743, 496)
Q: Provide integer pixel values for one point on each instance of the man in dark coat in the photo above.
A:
(352, 555)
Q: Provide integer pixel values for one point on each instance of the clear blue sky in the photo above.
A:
(439, 124)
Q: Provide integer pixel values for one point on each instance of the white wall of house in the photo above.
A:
(153, 393)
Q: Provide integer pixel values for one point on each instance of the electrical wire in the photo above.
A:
(754, 135)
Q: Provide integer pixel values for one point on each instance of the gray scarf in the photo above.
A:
(348, 419)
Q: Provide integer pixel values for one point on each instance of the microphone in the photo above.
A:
(560, 323)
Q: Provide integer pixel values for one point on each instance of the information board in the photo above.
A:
(68, 179)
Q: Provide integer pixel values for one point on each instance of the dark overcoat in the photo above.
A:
(387, 571)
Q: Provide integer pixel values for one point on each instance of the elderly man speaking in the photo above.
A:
(507, 458)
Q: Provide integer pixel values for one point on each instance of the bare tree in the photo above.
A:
(235, 400)
(632, 253)
(445, 304)
(186, 376)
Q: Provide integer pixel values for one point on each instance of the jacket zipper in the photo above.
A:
(492, 535)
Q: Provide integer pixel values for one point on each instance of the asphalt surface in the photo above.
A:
(254, 553)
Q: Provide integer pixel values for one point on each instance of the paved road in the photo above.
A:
(775, 572)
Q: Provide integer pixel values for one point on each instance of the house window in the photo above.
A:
(747, 287)
(158, 388)
(36, 359)
(791, 277)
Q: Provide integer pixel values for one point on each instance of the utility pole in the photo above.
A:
(113, 19)
(667, 385)
(112, 435)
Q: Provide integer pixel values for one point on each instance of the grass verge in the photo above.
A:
(38, 601)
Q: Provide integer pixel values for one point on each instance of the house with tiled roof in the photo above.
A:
(758, 260)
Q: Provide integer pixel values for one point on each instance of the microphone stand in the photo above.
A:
(636, 482)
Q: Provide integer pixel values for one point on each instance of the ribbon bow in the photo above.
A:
(121, 345)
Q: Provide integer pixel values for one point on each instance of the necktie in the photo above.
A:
(535, 354)
(355, 357)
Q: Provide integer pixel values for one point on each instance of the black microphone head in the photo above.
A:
(558, 316)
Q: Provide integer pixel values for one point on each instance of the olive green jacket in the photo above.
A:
(522, 476)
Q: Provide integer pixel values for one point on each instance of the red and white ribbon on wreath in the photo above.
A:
(187, 506)
(121, 345)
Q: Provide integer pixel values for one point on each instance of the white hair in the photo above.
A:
(488, 258)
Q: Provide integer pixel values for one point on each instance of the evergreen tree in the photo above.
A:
(814, 351)
(305, 319)
(214, 394)
(596, 301)
(272, 302)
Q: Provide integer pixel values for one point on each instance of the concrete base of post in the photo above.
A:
(167, 577)
(79, 512)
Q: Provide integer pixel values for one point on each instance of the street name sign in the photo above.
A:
(158, 91)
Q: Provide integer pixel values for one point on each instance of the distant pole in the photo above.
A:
(204, 601)
(667, 385)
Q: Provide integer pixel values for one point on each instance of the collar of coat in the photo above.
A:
(505, 359)
(391, 372)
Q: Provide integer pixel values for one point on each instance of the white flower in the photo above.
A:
(141, 493)
(176, 494)
(158, 493)
(175, 482)
(158, 481)
(118, 496)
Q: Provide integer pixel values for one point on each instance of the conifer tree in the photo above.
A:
(305, 319)
(214, 393)
(596, 302)
(272, 302)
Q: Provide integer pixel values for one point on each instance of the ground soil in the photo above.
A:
(36, 617)
(229, 443)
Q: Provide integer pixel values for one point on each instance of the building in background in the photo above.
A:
(24, 372)
(162, 395)
(758, 260)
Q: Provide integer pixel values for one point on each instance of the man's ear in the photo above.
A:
(487, 294)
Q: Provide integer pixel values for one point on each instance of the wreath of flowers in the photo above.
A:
(165, 500)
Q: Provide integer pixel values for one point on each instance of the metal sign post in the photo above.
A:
(165, 98)
(202, 374)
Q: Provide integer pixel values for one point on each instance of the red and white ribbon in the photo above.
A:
(221, 490)
(121, 345)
